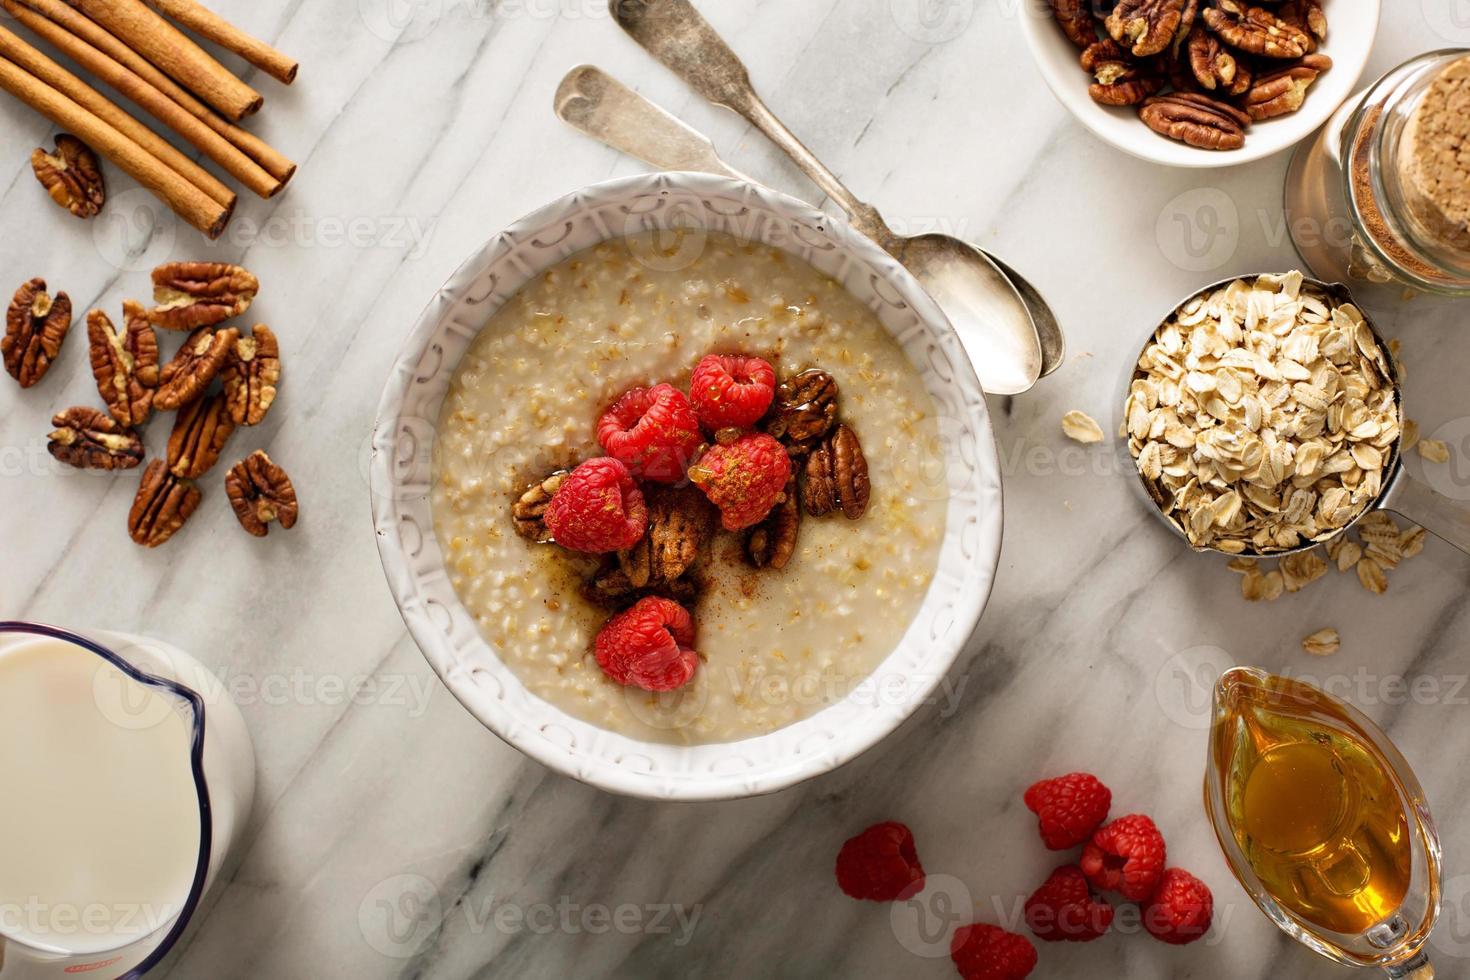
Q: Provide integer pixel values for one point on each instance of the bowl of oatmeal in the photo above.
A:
(809, 643)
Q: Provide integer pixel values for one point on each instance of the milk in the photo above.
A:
(100, 823)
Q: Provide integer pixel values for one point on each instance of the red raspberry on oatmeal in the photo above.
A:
(744, 478)
(598, 508)
(731, 391)
(649, 646)
(652, 431)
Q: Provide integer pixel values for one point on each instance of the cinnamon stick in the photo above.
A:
(206, 23)
(170, 51)
(186, 200)
(24, 56)
(162, 108)
(63, 16)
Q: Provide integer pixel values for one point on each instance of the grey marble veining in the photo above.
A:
(393, 836)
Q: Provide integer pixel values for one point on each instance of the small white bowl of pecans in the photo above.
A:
(1201, 83)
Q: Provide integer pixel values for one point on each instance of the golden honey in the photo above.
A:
(1314, 807)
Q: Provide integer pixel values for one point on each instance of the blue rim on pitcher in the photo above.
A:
(196, 762)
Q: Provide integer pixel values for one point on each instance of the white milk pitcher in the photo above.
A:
(128, 776)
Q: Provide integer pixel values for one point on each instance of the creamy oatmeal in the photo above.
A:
(775, 646)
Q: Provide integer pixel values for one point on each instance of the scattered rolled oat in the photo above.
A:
(1434, 450)
(1349, 555)
(1080, 427)
(1302, 569)
(1262, 416)
(1323, 643)
(1258, 587)
(1371, 574)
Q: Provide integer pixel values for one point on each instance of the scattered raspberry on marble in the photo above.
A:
(1126, 856)
(1063, 909)
(598, 508)
(986, 952)
(744, 478)
(1181, 909)
(652, 431)
(650, 645)
(731, 391)
(1070, 808)
(881, 864)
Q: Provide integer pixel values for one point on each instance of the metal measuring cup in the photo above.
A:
(1401, 493)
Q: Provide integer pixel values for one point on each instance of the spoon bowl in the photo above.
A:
(985, 305)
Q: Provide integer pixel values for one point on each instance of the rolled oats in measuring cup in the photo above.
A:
(1382, 194)
(1264, 417)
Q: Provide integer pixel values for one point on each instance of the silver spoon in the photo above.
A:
(592, 101)
(1001, 333)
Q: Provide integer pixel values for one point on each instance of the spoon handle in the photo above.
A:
(683, 41)
(591, 100)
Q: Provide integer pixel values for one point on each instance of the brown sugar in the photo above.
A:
(1436, 158)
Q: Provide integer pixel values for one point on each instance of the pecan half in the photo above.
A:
(611, 588)
(1076, 20)
(528, 513)
(772, 542)
(164, 502)
(837, 476)
(251, 372)
(92, 440)
(125, 365)
(1214, 66)
(1146, 27)
(261, 492)
(1284, 91)
(1196, 120)
(804, 410)
(199, 436)
(71, 175)
(35, 326)
(681, 520)
(1120, 79)
(191, 295)
(186, 377)
(1306, 16)
(1256, 30)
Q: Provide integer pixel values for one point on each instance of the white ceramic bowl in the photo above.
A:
(1352, 27)
(446, 632)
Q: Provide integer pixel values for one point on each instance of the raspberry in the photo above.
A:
(649, 646)
(732, 392)
(597, 508)
(745, 478)
(1070, 807)
(986, 952)
(880, 864)
(1063, 909)
(1126, 856)
(1181, 909)
(652, 431)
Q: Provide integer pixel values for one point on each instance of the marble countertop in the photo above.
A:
(392, 835)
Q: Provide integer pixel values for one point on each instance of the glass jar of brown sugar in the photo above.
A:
(1382, 193)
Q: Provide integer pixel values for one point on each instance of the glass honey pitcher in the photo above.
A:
(1323, 823)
